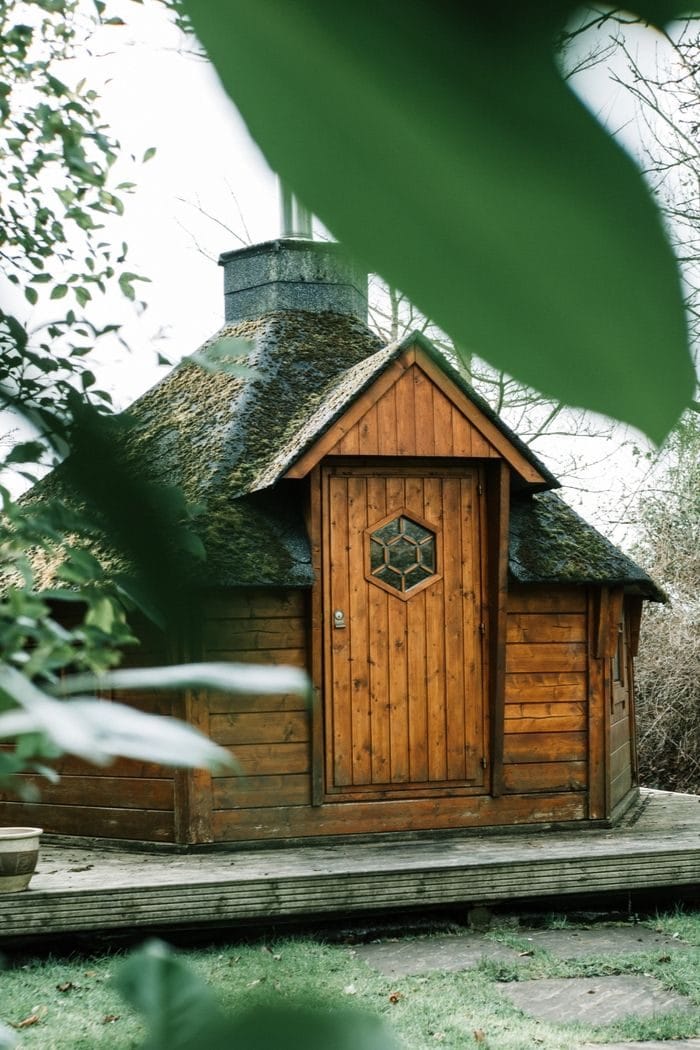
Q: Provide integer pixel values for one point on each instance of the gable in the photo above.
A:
(413, 409)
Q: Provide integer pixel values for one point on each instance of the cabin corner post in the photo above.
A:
(633, 615)
(193, 795)
(497, 514)
(598, 736)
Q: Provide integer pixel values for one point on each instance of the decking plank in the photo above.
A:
(655, 848)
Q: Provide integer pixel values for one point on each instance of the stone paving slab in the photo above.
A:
(595, 1000)
(403, 958)
(580, 943)
(656, 1044)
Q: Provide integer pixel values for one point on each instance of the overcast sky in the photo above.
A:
(156, 93)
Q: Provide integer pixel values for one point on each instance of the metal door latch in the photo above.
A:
(339, 618)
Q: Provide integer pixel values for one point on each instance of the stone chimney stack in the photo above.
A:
(292, 274)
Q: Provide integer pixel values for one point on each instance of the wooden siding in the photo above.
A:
(420, 411)
(127, 799)
(414, 418)
(545, 743)
(124, 800)
(271, 797)
(269, 735)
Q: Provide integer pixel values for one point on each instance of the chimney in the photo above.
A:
(292, 274)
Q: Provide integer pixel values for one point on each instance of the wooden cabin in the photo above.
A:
(470, 639)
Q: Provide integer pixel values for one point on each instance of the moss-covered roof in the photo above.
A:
(228, 439)
(550, 542)
(221, 435)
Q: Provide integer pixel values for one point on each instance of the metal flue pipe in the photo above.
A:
(295, 219)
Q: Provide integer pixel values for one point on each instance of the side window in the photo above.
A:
(618, 665)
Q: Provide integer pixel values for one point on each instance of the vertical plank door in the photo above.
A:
(404, 683)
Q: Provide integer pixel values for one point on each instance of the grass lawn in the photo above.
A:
(74, 1004)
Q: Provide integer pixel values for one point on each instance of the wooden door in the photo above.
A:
(404, 631)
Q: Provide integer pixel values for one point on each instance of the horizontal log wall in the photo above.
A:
(546, 709)
(269, 735)
(124, 800)
(545, 740)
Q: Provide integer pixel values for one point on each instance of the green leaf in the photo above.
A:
(227, 355)
(26, 452)
(101, 614)
(445, 150)
(31, 294)
(181, 1013)
(177, 1006)
(99, 732)
(59, 291)
(225, 677)
(149, 154)
(8, 1038)
(307, 1027)
(126, 283)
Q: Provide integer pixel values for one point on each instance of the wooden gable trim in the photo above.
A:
(494, 442)
(347, 421)
(477, 418)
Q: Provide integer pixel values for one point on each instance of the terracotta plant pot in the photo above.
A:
(19, 852)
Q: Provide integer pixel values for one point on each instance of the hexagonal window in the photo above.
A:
(402, 553)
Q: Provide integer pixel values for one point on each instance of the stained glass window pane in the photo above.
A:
(376, 554)
(414, 530)
(388, 531)
(427, 556)
(402, 553)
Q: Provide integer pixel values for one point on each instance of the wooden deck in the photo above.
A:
(77, 889)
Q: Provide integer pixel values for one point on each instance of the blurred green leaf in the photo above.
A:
(227, 677)
(441, 145)
(126, 283)
(227, 355)
(99, 731)
(181, 1013)
(177, 1006)
(302, 1027)
(25, 452)
(8, 1039)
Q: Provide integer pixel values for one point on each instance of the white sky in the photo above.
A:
(155, 93)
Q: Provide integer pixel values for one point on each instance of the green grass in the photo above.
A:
(446, 1009)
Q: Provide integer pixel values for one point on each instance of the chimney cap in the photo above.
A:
(292, 274)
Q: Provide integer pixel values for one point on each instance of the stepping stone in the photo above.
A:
(595, 1000)
(450, 952)
(577, 944)
(656, 1044)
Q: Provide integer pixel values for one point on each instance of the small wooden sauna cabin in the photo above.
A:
(469, 638)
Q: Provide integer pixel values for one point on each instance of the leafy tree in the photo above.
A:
(56, 195)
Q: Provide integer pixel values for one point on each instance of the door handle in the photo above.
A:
(339, 619)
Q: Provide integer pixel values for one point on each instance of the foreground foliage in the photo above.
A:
(414, 142)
